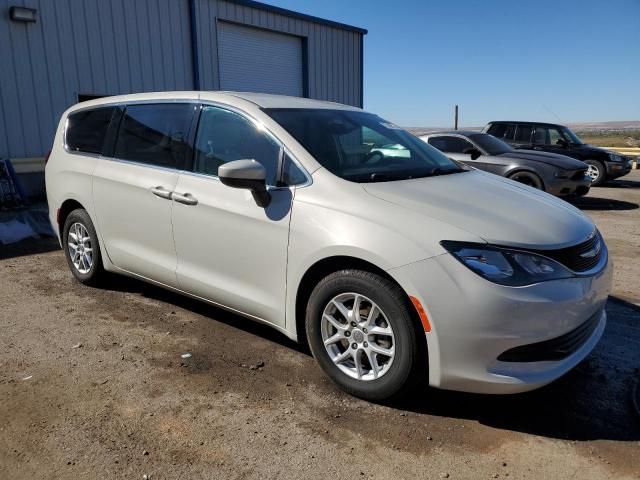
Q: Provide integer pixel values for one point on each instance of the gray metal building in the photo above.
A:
(77, 49)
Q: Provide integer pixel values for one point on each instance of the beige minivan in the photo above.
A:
(336, 227)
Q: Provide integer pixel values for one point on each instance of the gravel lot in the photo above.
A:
(92, 385)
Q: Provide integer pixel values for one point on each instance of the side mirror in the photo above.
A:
(562, 142)
(247, 174)
(474, 152)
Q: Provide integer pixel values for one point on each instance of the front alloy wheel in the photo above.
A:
(596, 172)
(364, 333)
(357, 336)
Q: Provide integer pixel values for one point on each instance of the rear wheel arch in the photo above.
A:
(65, 209)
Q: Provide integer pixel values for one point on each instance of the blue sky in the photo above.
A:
(548, 60)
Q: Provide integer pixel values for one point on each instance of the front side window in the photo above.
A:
(224, 136)
(450, 144)
(362, 147)
(155, 134)
(571, 137)
(546, 136)
(86, 129)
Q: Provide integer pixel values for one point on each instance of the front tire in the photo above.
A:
(527, 178)
(360, 330)
(597, 172)
(81, 248)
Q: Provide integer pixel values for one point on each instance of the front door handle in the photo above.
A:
(185, 198)
(161, 192)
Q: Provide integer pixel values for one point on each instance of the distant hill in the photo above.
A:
(578, 127)
(603, 134)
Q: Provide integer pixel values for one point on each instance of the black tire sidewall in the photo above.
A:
(533, 175)
(602, 177)
(390, 298)
(81, 216)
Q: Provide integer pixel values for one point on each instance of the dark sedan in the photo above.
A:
(557, 174)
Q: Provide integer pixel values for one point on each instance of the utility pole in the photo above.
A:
(455, 127)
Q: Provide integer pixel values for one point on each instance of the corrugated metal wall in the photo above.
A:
(101, 47)
(334, 55)
(108, 47)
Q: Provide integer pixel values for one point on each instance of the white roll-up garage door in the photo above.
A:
(254, 60)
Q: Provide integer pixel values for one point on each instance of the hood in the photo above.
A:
(499, 211)
(553, 159)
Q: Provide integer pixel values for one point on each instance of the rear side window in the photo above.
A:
(450, 144)
(523, 134)
(498, 130)
(86, 129)
(155, 134)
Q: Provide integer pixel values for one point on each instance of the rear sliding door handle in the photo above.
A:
(185, 198)
(161, 192)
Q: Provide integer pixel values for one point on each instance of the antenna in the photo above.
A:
(552, 113)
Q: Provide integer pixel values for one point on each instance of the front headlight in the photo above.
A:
(615, 158)
(504, 266)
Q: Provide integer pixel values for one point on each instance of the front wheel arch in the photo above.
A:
(325, 267)
(514, 173)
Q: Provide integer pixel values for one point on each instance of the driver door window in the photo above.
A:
(546, 136)
(224, 136)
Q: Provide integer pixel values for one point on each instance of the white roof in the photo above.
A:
(267, 100)
(263, 100)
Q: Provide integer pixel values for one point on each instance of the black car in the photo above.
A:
(548, 137)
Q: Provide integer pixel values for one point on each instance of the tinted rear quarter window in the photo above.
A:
(155, 134)
(523, 134)
(87, 129)
(450, 144)
(498, 130)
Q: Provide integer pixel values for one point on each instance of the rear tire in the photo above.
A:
(597, 172)
(378, 354)
(81, 248)
(528, 178)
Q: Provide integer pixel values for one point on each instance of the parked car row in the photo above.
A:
(395, 263)
(602, 165)
(556, 174)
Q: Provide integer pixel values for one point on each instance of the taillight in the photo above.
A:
(46, 157)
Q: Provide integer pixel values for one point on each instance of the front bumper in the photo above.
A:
(562, 186)
(474, 321)
(618, 169)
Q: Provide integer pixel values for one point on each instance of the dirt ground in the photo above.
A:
(92, 385)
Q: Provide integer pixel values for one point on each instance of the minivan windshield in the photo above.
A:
(362, 147)
(490, 144)
(571, 137)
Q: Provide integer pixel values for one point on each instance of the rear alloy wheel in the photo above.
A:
(81, 248)
(528, 178)
(596, 172)
(362, 333)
